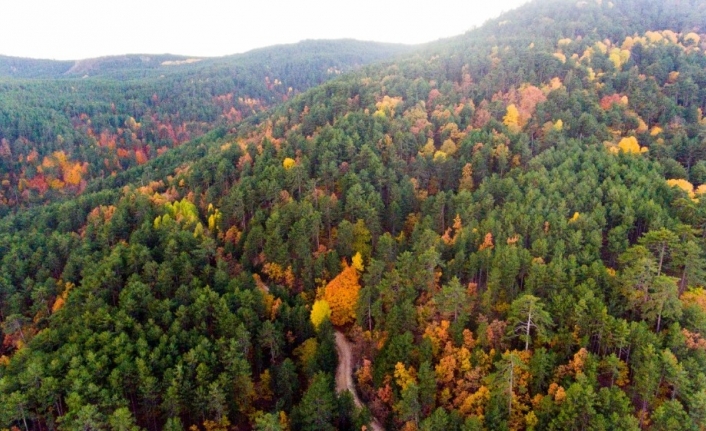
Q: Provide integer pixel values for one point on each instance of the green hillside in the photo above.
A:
(93, 118)
(508, 226)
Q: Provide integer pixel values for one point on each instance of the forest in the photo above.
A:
(63, 124)
(507, 226)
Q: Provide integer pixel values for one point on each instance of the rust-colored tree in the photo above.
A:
(342, 294)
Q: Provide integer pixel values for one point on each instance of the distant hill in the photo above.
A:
(100, 116)
(345, 53)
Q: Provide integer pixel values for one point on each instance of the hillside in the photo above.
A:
(90, 119)
(342, 54)
(508, 226)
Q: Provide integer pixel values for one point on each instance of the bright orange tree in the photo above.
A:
(342, 294)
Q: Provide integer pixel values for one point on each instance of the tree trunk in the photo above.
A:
(24, 419)
(527, 334)
(682, 282)
(661, 259)
(509, 404)
(370, 316)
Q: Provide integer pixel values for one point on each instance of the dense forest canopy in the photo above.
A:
(508, 226)
(63, 124)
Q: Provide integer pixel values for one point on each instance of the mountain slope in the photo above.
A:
(507, 223)
(342, 54)
(56, 134)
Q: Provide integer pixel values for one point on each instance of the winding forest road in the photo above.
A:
(344, 374)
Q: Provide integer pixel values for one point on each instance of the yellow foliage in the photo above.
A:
(554, 84)
(439, 156)
(512, 117)
(531, 420)
(501, 151)
(564, 42)
(619, 57)
(209, 425)
(198, 230)
(181, 211)
(560, 56)
(559, 395)
(341, 294)
(629, 145)
(448, 147)
(131, 124)
(438, 335)
(55, 183)
(61, 299)
(673, 76)
(428, 149)
(588, 54)
(214, 219)
(288, 163)
(320, 312)
(641, 126)
(701, 189)
(357, 262)
(656, 130)
(404, 377)
(72, 173)
(451, 129)
(265, 386)
(458, 224)
(670, 36)
(463, 356)
(278, 274)
(387, 106)
(654, 36)
(476, 402)
(559, 125)
(284, 421)
(623, 376)
(682, 184)
(695, 296)
(615, 58)
(693, 37)
(602, 47)
(628, 43)
(574, 217)
(466, 182)
(267, 299)
(306, 352)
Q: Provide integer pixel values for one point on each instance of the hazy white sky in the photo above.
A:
(75, 29)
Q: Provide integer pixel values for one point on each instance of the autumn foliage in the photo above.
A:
(341, 294)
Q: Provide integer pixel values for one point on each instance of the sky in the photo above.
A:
(78, 29)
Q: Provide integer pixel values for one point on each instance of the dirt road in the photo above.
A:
(344, 374)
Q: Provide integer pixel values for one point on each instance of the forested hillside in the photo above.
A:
(508, 225)
(77, 121)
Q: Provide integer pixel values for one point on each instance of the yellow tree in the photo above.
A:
(512, 118)
(320, 312)
(288, 163)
